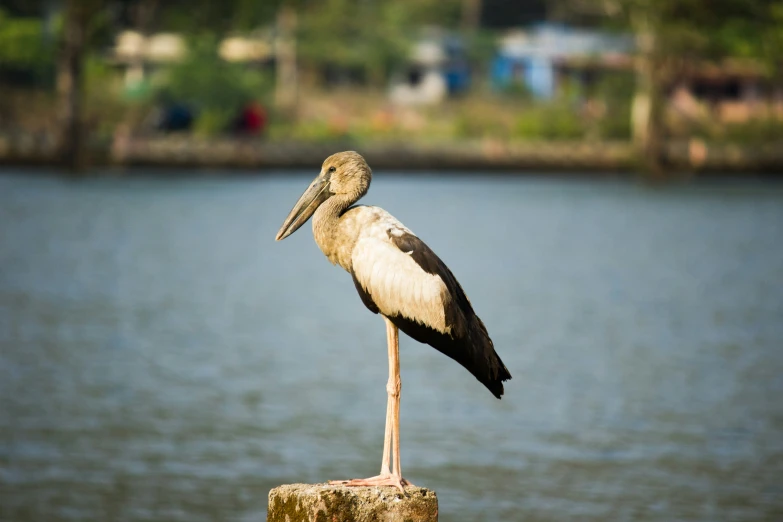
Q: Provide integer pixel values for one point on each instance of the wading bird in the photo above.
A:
(399, 277)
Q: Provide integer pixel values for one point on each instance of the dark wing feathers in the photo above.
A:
(468, 343)
(461, 309)
(364, 295)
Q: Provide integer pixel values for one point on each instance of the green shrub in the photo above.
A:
(212, 121)
(616, 124)
(550, 121)
(616, 91)
(517, 90)
(753, 131)
(474, 124)
(316, 130)
(215, 88)
(104, 106)
(23, 44)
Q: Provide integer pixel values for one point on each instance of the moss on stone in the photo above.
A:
(335, 503)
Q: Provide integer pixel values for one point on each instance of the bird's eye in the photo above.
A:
(332, 169)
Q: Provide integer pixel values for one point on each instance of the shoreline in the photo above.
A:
(685, 159)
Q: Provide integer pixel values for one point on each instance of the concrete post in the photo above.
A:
(323, 502)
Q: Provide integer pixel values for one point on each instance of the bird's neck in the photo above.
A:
(326, 230)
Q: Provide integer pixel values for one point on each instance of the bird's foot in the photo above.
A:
(384, 479)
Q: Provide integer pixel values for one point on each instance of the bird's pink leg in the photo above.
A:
(391, 437)
(387, 438)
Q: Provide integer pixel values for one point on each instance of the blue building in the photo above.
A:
(537, 58)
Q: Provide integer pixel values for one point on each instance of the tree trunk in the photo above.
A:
(285, 60)
(647, 114)
(72, 137)
(471, 15)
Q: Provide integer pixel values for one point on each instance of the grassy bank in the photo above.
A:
(495, 131)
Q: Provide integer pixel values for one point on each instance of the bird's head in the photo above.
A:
(344, 176)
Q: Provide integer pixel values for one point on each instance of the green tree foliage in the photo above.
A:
(370, 36)
(550, 121)
(23, 43)
(692, 29)
(195, 16)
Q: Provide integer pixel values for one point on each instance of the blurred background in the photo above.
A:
(621, 84)
(162, 358)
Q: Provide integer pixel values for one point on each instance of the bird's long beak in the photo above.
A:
(316, 193)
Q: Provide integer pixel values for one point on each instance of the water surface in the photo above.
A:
(162, 358)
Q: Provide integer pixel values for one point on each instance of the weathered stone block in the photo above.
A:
(327, 503)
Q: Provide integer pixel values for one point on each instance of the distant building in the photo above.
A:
(538, 58)
(437, 68)
(137, 54)
(732, 91)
